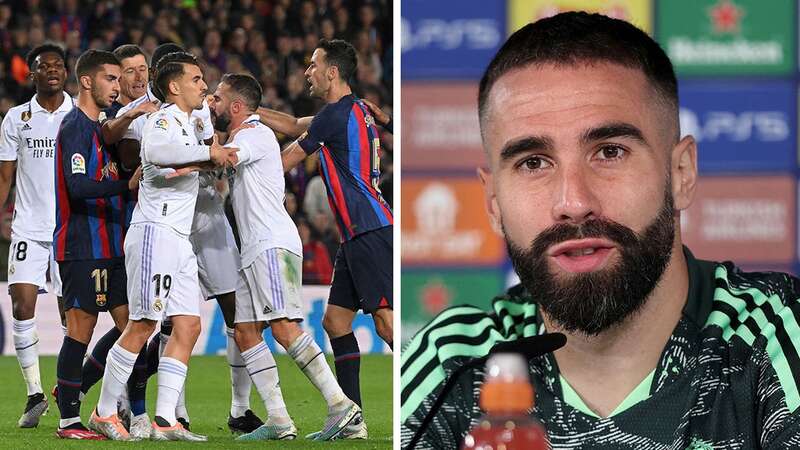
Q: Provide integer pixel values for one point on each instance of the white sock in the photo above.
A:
(264, 373)
(171, 377)
(180, 407)
(310, 359)
(240, 379)
(119, 365)
(64, 423)
(26, 344)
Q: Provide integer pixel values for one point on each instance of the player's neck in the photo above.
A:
(87, 104)
(337, 91)
(50, 102)
(124, 99)
(181, 104)
(604, 369)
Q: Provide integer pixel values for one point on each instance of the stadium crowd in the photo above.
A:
(270, 39)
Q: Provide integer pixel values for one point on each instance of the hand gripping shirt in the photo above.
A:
(727, 377)
(344, 132)
(28, 136)
(257, 194)
(168, 139)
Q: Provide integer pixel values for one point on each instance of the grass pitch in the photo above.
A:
(208, 400)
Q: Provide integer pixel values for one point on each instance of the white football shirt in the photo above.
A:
(28, 136)
(201, 119)
(257, 194)
(168, 138)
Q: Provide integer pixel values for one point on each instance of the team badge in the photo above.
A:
(102, 117)
(26, 116)
(11, 269)
(162, 124)
(198, 124)
(78, 164)
(100, 300)
(157, 305)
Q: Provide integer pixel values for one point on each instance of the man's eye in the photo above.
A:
(611, 152)
(535, 163)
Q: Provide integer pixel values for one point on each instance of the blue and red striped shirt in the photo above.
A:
(345, 134)
(90, 209)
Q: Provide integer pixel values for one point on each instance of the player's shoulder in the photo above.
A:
(132, 104)
(18, 114)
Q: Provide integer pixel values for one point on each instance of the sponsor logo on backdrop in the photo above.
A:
(731, 119)
(726, 36)
(447, 223)
(745, 219)
(440, 126)
(521, 12)
(442, 40)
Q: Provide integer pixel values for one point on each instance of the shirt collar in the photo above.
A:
(701, 288)
(252, 118)
(66, 104)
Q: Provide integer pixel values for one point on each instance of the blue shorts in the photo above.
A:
(94, 285)
(362, 272)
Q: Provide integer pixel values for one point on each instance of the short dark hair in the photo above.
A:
(92, 60)
(163, 50)
(45, 48)
(170, 67)
(126, 51)
(341, 54)
(576, 37)
(246, 87)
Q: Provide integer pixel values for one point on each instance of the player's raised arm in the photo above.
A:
(282, 122)
(160, 141)
(114, 129)
(292, 155)
(75, 152)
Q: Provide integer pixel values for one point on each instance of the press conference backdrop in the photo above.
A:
(738, 81)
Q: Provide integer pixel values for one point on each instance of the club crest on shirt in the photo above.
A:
(162, 124)
(26, 116)
(198, 124)
(78, 164)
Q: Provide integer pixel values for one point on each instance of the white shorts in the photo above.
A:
(217, 257)
(28, 262)
(162, 273)
(269, 289)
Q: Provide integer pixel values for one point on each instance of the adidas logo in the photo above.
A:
(267, 310)
(26, 127)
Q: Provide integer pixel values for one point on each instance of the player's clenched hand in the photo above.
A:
(133, 183)
(223, 156)
(143, 108)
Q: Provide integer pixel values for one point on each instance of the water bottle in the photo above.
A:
(506, 397)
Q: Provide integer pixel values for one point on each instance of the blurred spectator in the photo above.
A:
(317, 263)
(272, 39)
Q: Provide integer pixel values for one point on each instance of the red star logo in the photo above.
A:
(725, 17)
(435, 297)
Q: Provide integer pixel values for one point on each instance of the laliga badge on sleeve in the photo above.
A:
(161, 123)
(78, 164)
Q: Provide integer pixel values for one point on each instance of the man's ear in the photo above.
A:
(85, 82)
(684, 172)
(490, 200)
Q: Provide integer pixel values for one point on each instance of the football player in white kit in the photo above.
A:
(214, 246)
(27, 143)
(270, 280)
(161, 266)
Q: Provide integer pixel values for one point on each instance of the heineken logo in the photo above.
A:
(728, 36)
(725, 16)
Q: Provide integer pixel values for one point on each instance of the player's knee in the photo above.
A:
(334, 326)
(23, 310)
(245, 337)
(285, 332)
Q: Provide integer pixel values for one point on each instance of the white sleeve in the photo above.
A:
(136, 128)
(204, 115)
(9, 140)
(161, 146)
(253, 144)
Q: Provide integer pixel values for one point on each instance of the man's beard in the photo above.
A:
(221, 121)
(593, 302)
(100, 100)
